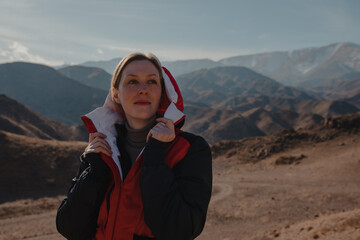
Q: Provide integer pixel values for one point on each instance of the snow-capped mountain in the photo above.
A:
(308, 67)
(304, 67)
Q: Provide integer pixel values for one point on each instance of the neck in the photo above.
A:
(140, 124)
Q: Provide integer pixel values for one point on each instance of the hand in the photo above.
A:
(164, 131)
(98, 144)
(110, 103)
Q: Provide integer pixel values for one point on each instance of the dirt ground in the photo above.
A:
(314, 196)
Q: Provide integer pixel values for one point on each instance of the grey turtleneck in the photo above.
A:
(136, 140)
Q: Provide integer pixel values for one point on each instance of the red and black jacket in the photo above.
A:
(164, 195)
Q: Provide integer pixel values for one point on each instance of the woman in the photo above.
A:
(140, 177)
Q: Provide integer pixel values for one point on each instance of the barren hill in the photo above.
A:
(217, 124)
(271, 122)
(325, 108)
(257, 148)
(355, 100)
(32, 167)
(16, 118)
(211, 86)
(48, 92)
(90, 76)
(346, 90)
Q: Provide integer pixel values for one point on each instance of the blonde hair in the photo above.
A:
(115, 81)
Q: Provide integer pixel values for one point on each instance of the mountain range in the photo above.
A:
(307, 67)
(90, 76)
(18, 119)
(219, 84)
(48, 92)
(221, 102)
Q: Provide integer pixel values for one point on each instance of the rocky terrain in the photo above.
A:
(302, 184)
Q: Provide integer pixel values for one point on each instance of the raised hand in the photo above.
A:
(98, 144)
(163, 131)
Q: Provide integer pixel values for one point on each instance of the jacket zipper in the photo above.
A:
(108, 204)
(118, 203)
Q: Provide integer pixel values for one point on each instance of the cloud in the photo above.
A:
(19, 52)
(99, 51)
(263, 36)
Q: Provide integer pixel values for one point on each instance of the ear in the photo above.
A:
(115, 95)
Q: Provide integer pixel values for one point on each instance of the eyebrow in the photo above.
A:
(149, 75)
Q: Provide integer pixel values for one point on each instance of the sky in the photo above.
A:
(55, 32)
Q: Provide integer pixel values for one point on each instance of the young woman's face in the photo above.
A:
(139, 92)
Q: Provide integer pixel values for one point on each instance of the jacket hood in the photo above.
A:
(103, 119)
(171, 104)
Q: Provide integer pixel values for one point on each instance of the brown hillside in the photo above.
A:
(16, 118)
(341, 89)
(325, 108)
(355, 100)
(216, 124)
(257, 148)
(32, 167)
(212, 86)
(271, 122)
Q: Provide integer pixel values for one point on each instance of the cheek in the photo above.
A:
(125, 94)
(158, 95)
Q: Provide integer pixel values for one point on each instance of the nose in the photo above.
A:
(143, 88)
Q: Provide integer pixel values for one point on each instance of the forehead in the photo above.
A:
(140, 67)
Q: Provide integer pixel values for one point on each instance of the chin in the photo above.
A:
(144, 116)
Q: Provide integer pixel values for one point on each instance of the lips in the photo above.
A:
(142, 102)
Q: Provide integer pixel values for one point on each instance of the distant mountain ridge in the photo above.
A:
(90, 76)
(303, 67)
(223, 102)
(307, 67)
(48, 92)
(215, 85)
(18, 119)
(109, 66)
(325, 108)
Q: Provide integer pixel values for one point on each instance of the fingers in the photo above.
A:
(98, 150)
(167, 122)
(102, 140)
(98, 147)
(98, 144)
(163, 131)
(96, 134)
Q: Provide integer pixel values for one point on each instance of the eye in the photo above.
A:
(132, 81)
(152, 81)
